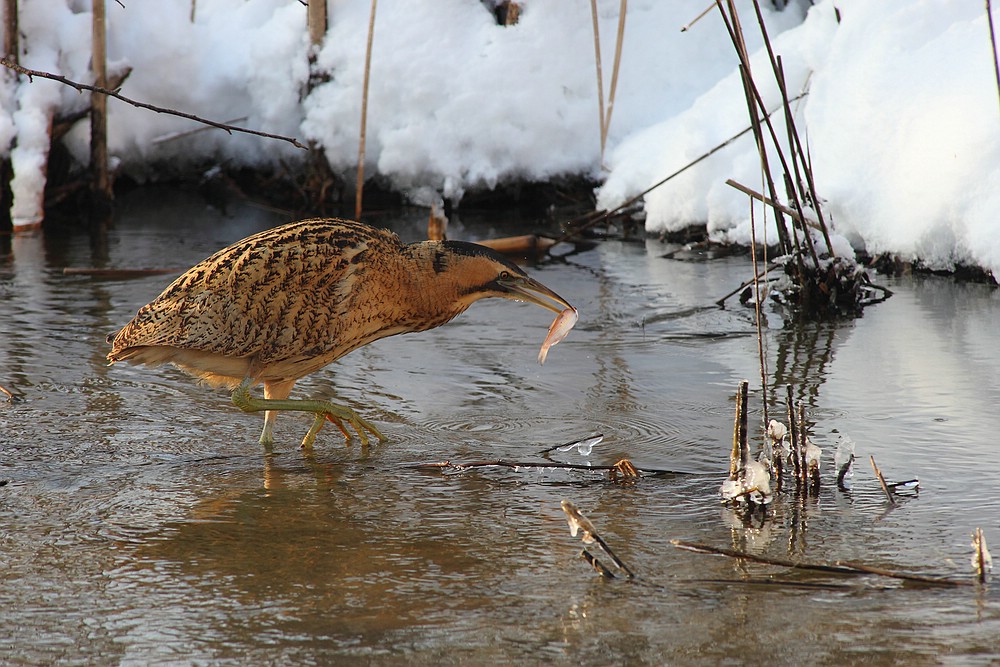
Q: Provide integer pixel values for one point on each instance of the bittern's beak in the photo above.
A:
(523, 288)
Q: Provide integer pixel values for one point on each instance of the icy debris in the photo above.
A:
(754, 484)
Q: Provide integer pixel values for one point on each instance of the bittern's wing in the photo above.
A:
(278, 294)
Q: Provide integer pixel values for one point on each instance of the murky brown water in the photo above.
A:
(140, 522)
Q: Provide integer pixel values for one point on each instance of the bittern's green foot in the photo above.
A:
(324, 411)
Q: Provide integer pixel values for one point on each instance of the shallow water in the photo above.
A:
(141, 523)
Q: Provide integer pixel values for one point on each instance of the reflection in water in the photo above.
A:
(141, 523)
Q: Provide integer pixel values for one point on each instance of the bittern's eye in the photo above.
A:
(505, 275)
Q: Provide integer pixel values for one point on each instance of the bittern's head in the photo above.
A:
(477, 272)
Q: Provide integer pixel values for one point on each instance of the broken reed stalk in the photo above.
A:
(360, 185)
(605, 113)
(753, 102)
(10, 30)
(993, 43)
(101, 187)
(740, 452)
(757, 311)
(881, 481)
(803, 448)
(7, 392)
(600, 74)
(982, 561)
(794, 142)
(31, 73)
(622, 11)
(792, 213)
(316, 22)
(793, 435)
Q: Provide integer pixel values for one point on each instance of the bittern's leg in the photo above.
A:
(278, 391)
(323, 410)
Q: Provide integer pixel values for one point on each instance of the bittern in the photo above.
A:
(286, 302)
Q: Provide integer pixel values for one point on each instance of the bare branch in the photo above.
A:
(30, 73)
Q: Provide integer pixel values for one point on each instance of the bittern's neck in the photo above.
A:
(439, 291)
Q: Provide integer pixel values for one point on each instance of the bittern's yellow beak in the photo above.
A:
(523, 288)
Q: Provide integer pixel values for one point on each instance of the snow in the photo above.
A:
(901, 115)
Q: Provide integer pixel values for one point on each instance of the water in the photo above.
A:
(141, 523)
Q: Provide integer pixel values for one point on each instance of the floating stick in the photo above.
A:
(501, 463)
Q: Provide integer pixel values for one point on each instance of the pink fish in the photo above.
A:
(557, 331)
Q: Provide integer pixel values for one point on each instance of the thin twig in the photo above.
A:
(6, 392)
(698, 18)
(31, 73)
(117, 273)
(745, 284)
(597, 217)
(881, 481)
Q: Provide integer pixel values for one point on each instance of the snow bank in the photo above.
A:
(901, 115)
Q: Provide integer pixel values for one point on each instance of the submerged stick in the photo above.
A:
(578, 522)
(882, 572)
(766, 560)
(839, 567)
(598, 566)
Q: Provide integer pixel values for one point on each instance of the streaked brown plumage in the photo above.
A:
(286, 302)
